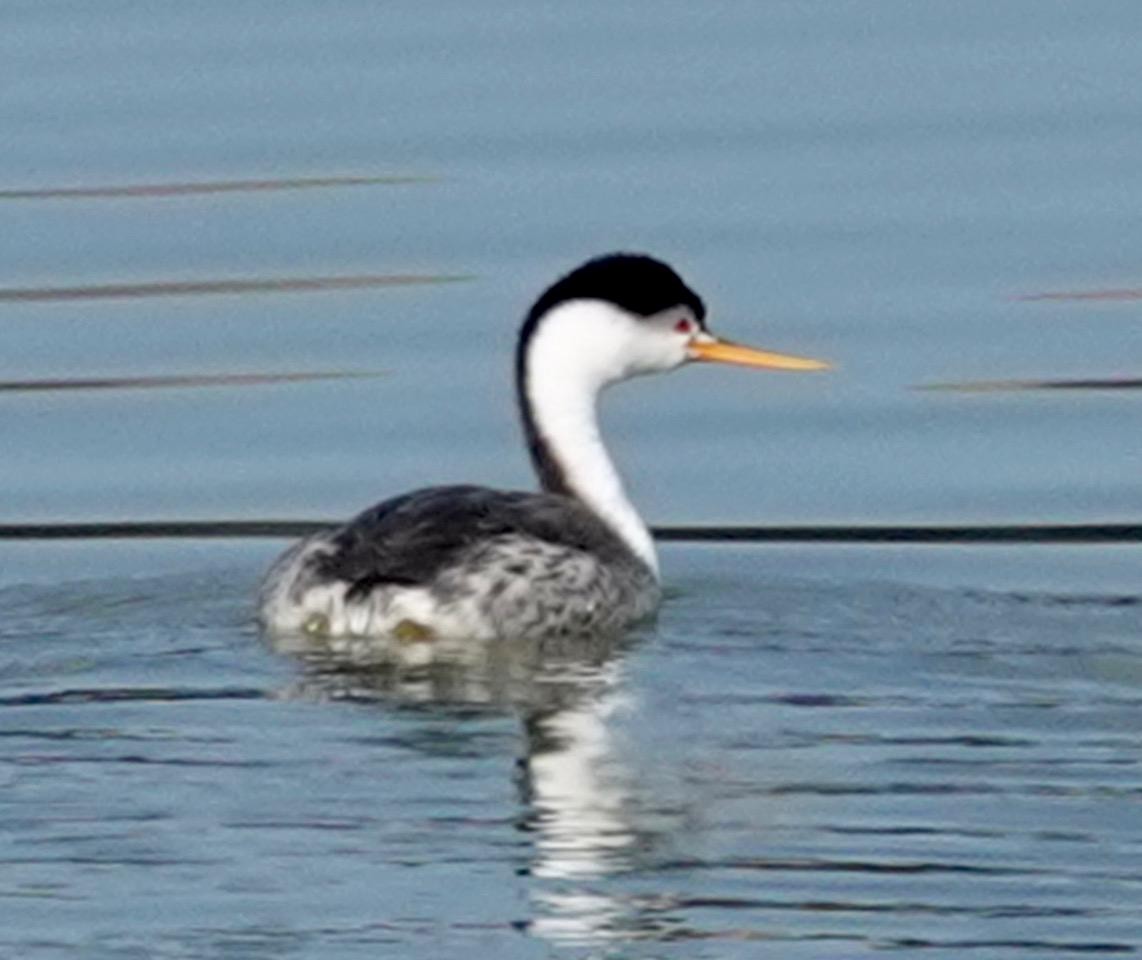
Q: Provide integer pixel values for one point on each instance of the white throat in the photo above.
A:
(573, 355)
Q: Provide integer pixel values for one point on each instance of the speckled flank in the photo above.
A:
(507, 587)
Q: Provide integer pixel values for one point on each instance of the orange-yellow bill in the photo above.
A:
(722, 351)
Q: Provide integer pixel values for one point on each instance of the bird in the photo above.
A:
(424, 575)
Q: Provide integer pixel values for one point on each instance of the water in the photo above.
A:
(818, 762)
(819, 750)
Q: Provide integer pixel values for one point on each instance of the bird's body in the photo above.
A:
(461, 564)
(425, 574)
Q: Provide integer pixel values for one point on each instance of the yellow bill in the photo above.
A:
(722, 351)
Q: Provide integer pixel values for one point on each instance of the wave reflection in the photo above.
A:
(231, 286)
(179, 381)
(190, 188)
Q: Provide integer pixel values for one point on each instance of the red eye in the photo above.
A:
(683, 326)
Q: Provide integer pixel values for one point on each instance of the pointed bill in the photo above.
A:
(723, 351)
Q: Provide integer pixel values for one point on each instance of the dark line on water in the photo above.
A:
(183, 288)
(990, 386)
(127, 694)
(190, 188)
(162, 529)
(179, 381)
(1124, 293)
(1041, 947)
(986, 533)
(1063, 533)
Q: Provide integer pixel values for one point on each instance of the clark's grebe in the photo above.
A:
(420, 575)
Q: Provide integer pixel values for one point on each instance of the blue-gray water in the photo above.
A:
(818, 751)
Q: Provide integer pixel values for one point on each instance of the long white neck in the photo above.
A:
(569, 360)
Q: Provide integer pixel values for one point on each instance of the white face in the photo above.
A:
(589, 344)
(662, 342)
(595, 343)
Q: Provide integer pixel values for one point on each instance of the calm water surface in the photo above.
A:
(818, 751)
(797, 758)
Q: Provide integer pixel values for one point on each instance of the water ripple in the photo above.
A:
(190, 188)
(121, 694)
(236, 285)
(180, 381)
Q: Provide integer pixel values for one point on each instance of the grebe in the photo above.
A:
(424, 574)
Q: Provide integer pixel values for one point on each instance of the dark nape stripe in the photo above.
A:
(1061, 533)
(552, 477)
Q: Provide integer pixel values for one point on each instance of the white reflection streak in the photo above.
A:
(582, 804)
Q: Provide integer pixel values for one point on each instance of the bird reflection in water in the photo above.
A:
(579, 801)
